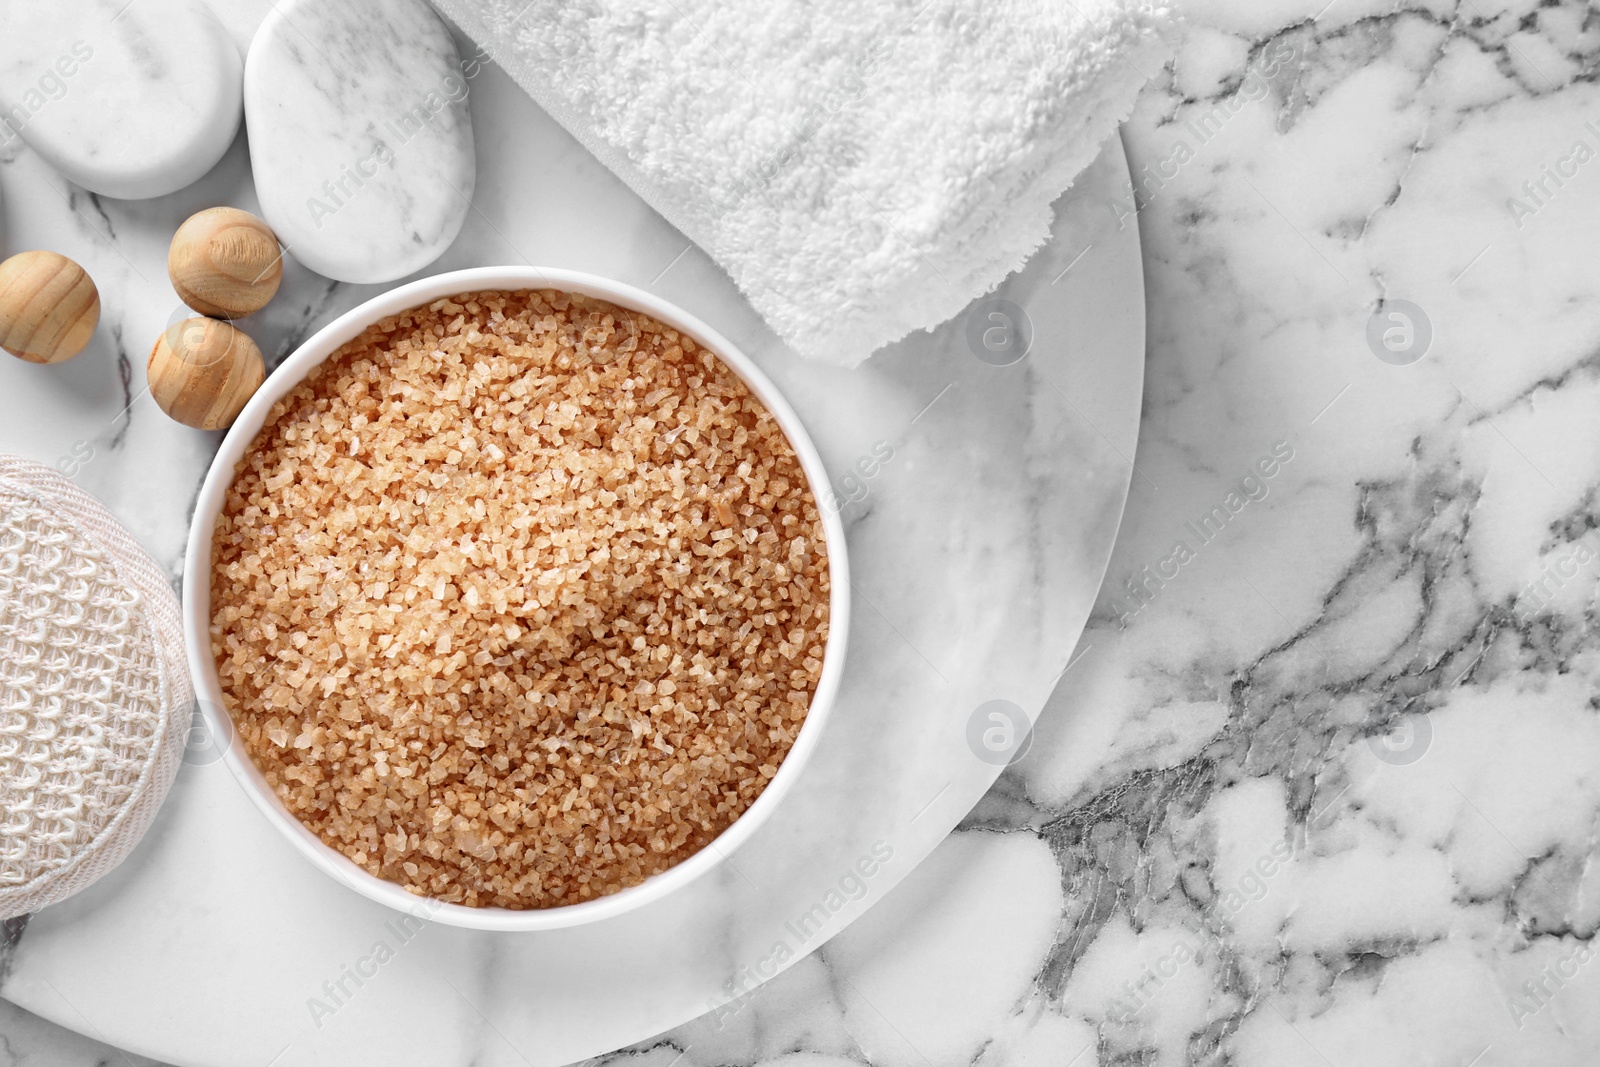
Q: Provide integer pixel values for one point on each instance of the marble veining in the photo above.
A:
(1323, 790)
(1327, 797)
(360, 137)
(128, 100)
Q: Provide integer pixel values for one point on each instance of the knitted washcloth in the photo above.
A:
(860, 168)
(95, 696)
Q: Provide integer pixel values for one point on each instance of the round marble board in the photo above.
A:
(980, 501)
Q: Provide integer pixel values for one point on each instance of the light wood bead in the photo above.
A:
(225, 263)
(202, 372)
(49, 307)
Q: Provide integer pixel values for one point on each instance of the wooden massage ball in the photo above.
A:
(49, 307)
(202, 371)
(225, 263)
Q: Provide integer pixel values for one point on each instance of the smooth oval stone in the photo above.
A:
(360, 137)
(129, 100)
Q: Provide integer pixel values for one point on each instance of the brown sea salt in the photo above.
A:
(519, 598)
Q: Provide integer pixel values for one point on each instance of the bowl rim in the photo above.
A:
(197, 595)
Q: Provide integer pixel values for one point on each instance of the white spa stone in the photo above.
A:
(360, 137)
(129, 100)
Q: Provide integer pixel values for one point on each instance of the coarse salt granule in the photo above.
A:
(519, 598)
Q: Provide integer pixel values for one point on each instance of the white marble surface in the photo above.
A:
(978, 533)
(1420, 564)
(360, 136)
(124, 99)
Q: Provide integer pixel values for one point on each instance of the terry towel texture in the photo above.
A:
(861, 168)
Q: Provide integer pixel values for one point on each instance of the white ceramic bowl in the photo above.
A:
(197, 596)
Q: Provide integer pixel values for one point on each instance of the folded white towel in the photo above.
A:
(861, 168)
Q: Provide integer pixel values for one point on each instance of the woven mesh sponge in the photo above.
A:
(94, 694)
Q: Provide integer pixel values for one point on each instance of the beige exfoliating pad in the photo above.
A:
(95, 697)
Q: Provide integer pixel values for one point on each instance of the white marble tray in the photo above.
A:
(977, 550)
